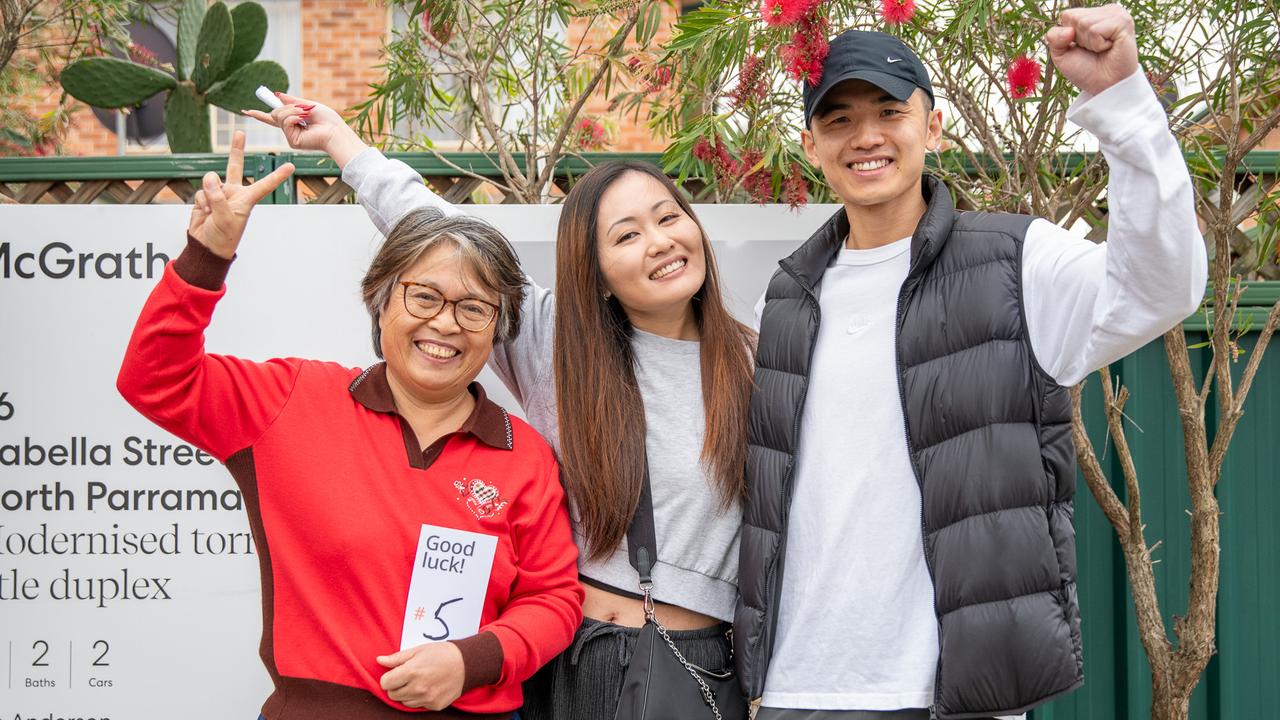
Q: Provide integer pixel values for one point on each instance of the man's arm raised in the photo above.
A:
(1088, 305)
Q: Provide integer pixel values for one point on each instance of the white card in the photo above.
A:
(447, 591)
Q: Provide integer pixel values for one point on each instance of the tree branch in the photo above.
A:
(1094, 476)
(1114, 400)
(1191, 403)
(553, 154)
(1228, 421)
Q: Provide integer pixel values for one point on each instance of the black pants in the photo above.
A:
(583, 682)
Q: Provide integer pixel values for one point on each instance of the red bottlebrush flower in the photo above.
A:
(702, 150)
(757, 183)
(726, 168)
(785, 12)
(759, 186)
(804, 57)
(795, 189)
(591, 134)
(1024, 76)
(633, 64)
(659, 78)
(897, 12)
(723, 165)
(752, 83)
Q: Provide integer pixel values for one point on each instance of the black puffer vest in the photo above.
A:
(989, 437)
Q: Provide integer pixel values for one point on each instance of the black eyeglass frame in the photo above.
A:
(445, 302)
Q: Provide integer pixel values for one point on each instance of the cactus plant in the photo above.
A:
(216, 51)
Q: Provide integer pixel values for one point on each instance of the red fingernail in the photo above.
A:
(307, 107)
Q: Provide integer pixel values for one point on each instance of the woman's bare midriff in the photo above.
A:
(604, 605)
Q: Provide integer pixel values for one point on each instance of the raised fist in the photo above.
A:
(1094, 48)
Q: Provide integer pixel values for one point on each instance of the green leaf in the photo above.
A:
(249, 22)
(213, 47)
(108, 82)
(186, 121)
(236, 92)
(647, 26)
(190, 18)
(689, 29)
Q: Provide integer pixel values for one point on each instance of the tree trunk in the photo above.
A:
(1169, 702)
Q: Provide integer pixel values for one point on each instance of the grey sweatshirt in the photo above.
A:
(697, 564)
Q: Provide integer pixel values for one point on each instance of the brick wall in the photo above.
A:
(341, 41)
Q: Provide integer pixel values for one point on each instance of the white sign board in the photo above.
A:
(446, 592)
(128, 577)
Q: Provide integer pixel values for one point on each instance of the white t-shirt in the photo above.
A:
(856, 623)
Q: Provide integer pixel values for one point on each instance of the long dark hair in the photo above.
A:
(602, 422)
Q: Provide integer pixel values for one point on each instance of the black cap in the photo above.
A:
(880, 59)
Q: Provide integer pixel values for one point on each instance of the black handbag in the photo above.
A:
(660, 683)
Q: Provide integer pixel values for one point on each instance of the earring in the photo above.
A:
(606, 295)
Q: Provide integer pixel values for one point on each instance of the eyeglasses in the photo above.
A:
(425, 302)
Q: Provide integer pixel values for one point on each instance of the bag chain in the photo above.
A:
(707, 696)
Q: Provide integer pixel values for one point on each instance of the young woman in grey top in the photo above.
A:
(640, 362)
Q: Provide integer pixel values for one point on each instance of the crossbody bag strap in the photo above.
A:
(642, 550)
(642, 540)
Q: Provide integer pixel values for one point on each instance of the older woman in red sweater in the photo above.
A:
(354, 478)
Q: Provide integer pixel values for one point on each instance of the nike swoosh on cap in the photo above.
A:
(893, 60)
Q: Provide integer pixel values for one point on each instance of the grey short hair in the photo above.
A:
(487, 251)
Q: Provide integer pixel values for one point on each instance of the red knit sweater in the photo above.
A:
(337, 490)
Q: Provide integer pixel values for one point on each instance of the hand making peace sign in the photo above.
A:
(221, 209)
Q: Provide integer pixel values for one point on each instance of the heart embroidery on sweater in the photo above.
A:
(483, 499)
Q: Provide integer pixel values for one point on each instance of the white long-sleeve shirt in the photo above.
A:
(856, 625)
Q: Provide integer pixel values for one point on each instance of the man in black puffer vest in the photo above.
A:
(908, 549)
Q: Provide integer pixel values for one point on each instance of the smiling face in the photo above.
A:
(871, 146)
(651, 251)
(434, 360)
